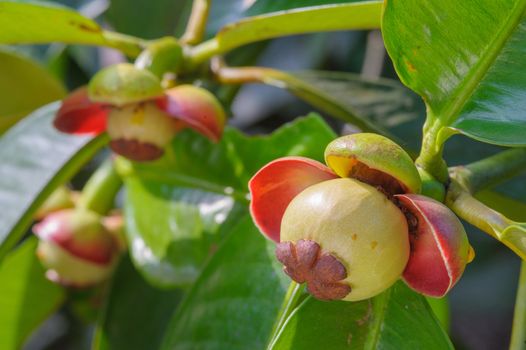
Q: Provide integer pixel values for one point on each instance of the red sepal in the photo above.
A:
(276, 184)
(439, 246)
(79, 115)
(196, 107)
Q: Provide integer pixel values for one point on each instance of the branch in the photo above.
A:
(518, 335)
(195, 29)
(99, 192)
(491, 171)
(303, 90)
(467, 180)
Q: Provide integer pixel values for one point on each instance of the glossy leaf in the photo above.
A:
(27, 298)
(396, 319)
(45, 22)
(172, 230)
(265, 6)
(228, 11)
(465, 61)
(187, 194)
(353, 16)
(236, 299)
(24, 86)
(135, 313)
(35, 160)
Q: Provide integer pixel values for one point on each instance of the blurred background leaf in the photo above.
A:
(27, 298)
(24, 86)
(36, 158)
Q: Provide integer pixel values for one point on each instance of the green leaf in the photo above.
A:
(467, 62)
(171, 229)
(396, 319)
(177, 206)
(135, 314)
(265, 6)
(39, 22)
(228, 11)
(360, 15)
(236, 299)
(27, 298)
(441, 309)
(35, 160)
(24, 86)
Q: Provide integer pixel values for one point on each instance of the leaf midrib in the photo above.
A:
(467, 89)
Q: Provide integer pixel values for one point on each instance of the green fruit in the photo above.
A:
(355, 226)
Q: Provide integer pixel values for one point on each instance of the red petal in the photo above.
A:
(196, 107)
(276, 184)
(78, 115)
(439, 246)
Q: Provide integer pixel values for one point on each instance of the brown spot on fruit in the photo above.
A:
(374, 244)
(136, 150)
(304, 262)
(354, 236)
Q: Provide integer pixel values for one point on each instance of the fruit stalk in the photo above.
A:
(273, 77)
(492, 170)
(100, 190)
(195, 28)
(518, 335)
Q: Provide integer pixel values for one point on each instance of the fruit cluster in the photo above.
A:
(352, 228)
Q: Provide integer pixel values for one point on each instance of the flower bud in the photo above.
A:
(75, 248)
(61, 198)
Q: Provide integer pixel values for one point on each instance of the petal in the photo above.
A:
(197, 108)
(439, 246)
(78, 115)
(276, 184)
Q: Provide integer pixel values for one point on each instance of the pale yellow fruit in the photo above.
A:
(356, 224)
(143, 122)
